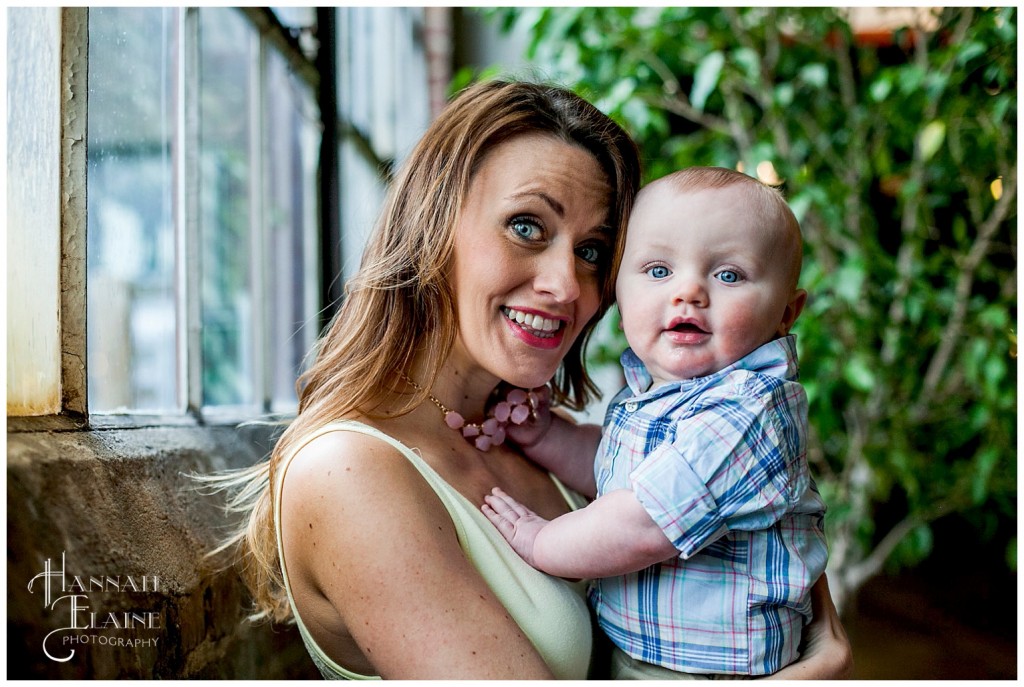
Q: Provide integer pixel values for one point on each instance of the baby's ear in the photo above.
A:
(793, 309)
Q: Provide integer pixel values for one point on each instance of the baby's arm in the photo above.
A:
(559, 445)
(614, 535)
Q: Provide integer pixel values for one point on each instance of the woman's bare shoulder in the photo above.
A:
(377, 552)
(349, 464)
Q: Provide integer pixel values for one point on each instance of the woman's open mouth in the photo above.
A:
(537, 329)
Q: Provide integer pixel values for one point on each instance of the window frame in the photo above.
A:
(266, 34)
(70, 292)
(339, 133)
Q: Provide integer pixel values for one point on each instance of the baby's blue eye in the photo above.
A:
(658, 271)
(728, 276)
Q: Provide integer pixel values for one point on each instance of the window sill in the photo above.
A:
(211, 417)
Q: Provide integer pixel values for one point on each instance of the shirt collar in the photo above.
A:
(777, 358)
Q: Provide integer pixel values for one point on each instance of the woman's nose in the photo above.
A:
(557, 276)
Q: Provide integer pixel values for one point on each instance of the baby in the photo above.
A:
(706, 534)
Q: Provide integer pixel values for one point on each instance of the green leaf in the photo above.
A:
(968, 51)
(959, 228)
(994, 316)
(931, 138)
(910, 79)
(935, 84)
(858, 373)
(1002, 106)
(620, 92)
(920, 541)
(985, 462)
(849, 282)
(799, 206)
(748, 62)
(705, 79)
(881, 88)
(815, 75)
(784, 94)
(995, 372)
(646, 18)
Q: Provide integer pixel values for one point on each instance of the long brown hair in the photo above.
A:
(400, 303)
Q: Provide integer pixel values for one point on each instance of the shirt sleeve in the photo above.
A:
(725, 470)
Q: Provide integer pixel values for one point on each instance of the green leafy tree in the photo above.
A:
(900, 162)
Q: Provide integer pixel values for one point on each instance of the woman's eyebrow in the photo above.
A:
(554, 204)
(604, 229)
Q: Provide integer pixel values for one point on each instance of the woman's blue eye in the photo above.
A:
(525, 229)
(590, 254)
(658, 271)
(728, 276)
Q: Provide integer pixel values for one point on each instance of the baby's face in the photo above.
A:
(703, 281)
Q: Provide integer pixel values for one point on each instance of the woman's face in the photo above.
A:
(531, 248)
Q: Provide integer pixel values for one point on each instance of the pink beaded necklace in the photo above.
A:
(518, 405)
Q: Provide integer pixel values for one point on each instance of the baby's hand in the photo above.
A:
(517, 523)
(536, 426)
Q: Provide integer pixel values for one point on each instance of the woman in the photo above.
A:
(491, 263)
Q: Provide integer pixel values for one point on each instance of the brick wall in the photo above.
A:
(118, 504)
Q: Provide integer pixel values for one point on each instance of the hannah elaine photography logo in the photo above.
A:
(68, 596)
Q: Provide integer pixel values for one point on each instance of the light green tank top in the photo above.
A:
(551, 611)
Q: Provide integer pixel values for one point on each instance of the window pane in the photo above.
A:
(226, 103)
(292, 147)
(33, 211)
(131, 304)
(295, 17)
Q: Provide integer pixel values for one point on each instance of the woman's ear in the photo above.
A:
(793, 309)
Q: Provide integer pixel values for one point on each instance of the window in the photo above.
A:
(377, 47)
(202, 213)
(182, 159)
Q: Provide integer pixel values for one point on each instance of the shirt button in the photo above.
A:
(632, 406)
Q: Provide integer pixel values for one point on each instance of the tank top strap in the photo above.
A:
(324, 663)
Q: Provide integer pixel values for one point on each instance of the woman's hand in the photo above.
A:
(827, 654)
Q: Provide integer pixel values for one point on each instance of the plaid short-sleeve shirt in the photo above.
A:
(719, 463)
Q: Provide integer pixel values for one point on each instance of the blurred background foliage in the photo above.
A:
(898, 155)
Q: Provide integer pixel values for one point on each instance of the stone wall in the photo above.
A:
(115, 512)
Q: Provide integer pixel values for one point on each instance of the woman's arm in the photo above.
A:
(614, 535)
(827, 654)
(377, 556)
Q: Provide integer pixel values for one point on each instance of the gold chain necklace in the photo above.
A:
(518, 406)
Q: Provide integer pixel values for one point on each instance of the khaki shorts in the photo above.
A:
(625, 667)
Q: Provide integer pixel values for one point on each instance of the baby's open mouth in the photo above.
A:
(688, 328)
(541, 327)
